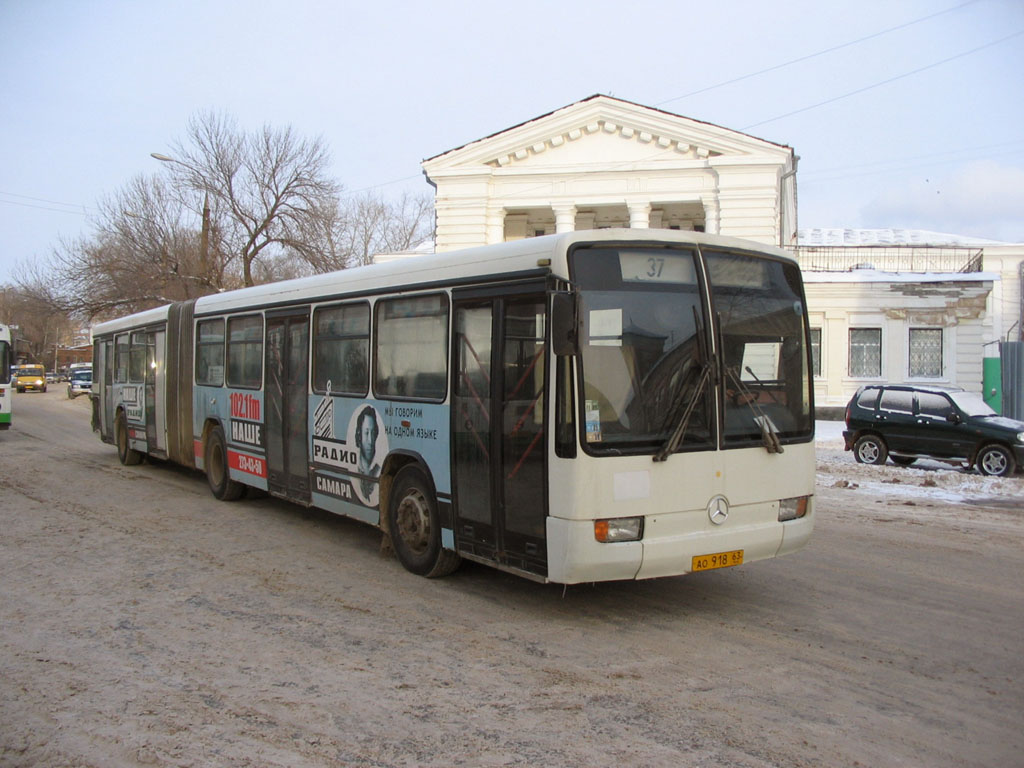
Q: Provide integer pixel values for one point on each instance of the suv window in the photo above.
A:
(868, 399)
(933, 404)
(897, 400)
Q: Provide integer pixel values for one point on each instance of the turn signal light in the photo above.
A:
(793, 509)
(619, 529)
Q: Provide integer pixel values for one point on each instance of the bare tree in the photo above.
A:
(144, 252)
(369, 225)
(351, 234)
(231, 209)
(409, 222)
(41, 324)
(267, 189)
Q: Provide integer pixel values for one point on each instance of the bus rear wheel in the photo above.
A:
(215, 458)
(128, 455)
(415, 526)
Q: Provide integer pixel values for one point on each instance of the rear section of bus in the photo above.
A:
(684, 420)
(5, 377)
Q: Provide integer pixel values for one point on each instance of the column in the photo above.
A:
(712, 214)
(565, 217)
(639, 215)
(495, 225)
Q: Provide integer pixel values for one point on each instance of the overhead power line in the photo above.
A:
(76, 208)
(885, 82)
(953, 155)
(815, 55)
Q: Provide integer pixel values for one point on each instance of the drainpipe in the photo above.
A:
(782, 203)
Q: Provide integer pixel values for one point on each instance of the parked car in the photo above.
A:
(905, 423)
(80, 383)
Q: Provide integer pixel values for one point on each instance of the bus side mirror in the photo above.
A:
(564, 338)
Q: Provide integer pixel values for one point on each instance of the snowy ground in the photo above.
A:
(144, 623)
(926, 480)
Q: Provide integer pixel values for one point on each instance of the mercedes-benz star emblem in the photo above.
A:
(718, 510)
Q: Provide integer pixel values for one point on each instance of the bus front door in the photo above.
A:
(287, 403)
(498, 408)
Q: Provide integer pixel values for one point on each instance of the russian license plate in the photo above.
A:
(717, 560)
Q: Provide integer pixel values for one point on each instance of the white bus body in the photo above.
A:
(598, 405)
(6, 358)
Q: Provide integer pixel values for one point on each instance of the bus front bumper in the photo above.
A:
(671, 542)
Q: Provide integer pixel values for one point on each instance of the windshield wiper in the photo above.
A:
(672, 444)
(769, 432)
(707, 367)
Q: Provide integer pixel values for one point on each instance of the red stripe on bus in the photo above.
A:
(243, 462)
(197, 448)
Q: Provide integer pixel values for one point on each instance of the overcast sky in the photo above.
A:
(911, 116)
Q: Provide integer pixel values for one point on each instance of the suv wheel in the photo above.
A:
(995, 460)
(870, 450)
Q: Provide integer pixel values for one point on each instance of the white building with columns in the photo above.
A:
(604, 162)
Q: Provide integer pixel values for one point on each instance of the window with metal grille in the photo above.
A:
(925, 353)
(866, 352)
(816, 351)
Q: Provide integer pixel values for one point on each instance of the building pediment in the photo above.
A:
(614, 130)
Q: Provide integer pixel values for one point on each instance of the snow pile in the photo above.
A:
(925, 481)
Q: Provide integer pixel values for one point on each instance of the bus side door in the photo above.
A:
(498, 407)
(286, 393)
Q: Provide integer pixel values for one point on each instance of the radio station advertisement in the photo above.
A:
(352, 439)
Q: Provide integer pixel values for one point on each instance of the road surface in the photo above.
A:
(144, 623)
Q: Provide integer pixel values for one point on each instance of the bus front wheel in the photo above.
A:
(128, 455)
(415, 526)
(215, 458)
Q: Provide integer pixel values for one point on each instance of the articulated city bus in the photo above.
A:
(595, 405)
(5, 377)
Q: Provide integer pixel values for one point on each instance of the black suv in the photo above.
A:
(905, 423)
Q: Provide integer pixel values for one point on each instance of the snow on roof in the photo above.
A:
(875, 276)
(838, 236)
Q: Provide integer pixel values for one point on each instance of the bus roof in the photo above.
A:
(502, 258)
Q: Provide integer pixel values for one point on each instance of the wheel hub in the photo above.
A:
(414, 522)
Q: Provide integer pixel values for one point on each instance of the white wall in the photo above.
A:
(895, 304)
(604, 153)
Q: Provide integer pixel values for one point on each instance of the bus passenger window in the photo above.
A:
(411, 356)
(210, 353)
(245, 351)
(121, 357)
(341, 349)
(137, 359)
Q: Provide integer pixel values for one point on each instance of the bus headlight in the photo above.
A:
(792, 509)
(619, 529)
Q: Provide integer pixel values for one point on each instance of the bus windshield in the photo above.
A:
(642, 320)
(5, 362)
(646, 368)
(759, 312)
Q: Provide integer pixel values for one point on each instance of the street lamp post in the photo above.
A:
(204, 232)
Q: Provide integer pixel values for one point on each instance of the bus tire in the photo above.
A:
(128, 455)
(215, 459)
(415, 526)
